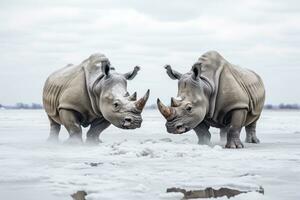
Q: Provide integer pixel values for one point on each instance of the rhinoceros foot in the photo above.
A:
(73, 140)
(204, 141)
(252, 139)
(234, 144)
(92, 141)
(52, 140)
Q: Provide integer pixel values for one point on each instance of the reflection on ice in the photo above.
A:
(79, 195)
(210, 192)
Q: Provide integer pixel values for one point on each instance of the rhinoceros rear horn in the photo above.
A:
(132, 97)
(140, 104)
(164, 110)
(174, 102)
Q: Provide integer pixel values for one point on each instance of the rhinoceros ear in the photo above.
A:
(172, 73)
(196, 69)
(132, 74)
(105, 66)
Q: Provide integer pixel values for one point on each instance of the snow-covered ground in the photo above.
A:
(143, 163)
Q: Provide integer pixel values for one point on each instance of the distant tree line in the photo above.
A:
(151, 106)
(282, 106)
(22, 106)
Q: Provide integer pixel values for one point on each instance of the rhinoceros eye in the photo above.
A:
(116, 105)
(188, 108)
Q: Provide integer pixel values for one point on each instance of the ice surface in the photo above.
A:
(143, 163)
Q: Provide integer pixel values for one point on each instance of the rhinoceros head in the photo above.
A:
(115, 103)
(190, 106)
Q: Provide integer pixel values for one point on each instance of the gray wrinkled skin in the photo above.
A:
(215, 93)
(91, 93)
(192, 106)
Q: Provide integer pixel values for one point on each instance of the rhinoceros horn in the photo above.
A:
(164, 110)
(132, 97)
(174, 102)
(140, 104)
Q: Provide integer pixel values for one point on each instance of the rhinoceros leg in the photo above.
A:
(54, 130)
(251, 133)
(70, 119)
(223, 134)
(96, 128)
(238, 118)
(203, 133)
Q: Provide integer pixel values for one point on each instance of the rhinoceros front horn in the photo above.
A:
(164, 110)
(140, 104)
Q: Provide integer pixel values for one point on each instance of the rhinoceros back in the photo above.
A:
(55, 86)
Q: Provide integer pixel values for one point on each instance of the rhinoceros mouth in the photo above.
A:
(131, 127)
(177, 129)
(131, 124)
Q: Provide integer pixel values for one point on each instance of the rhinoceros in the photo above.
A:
(91, 93)
(215, 93)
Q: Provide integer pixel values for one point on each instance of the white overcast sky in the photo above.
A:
(38, 37)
